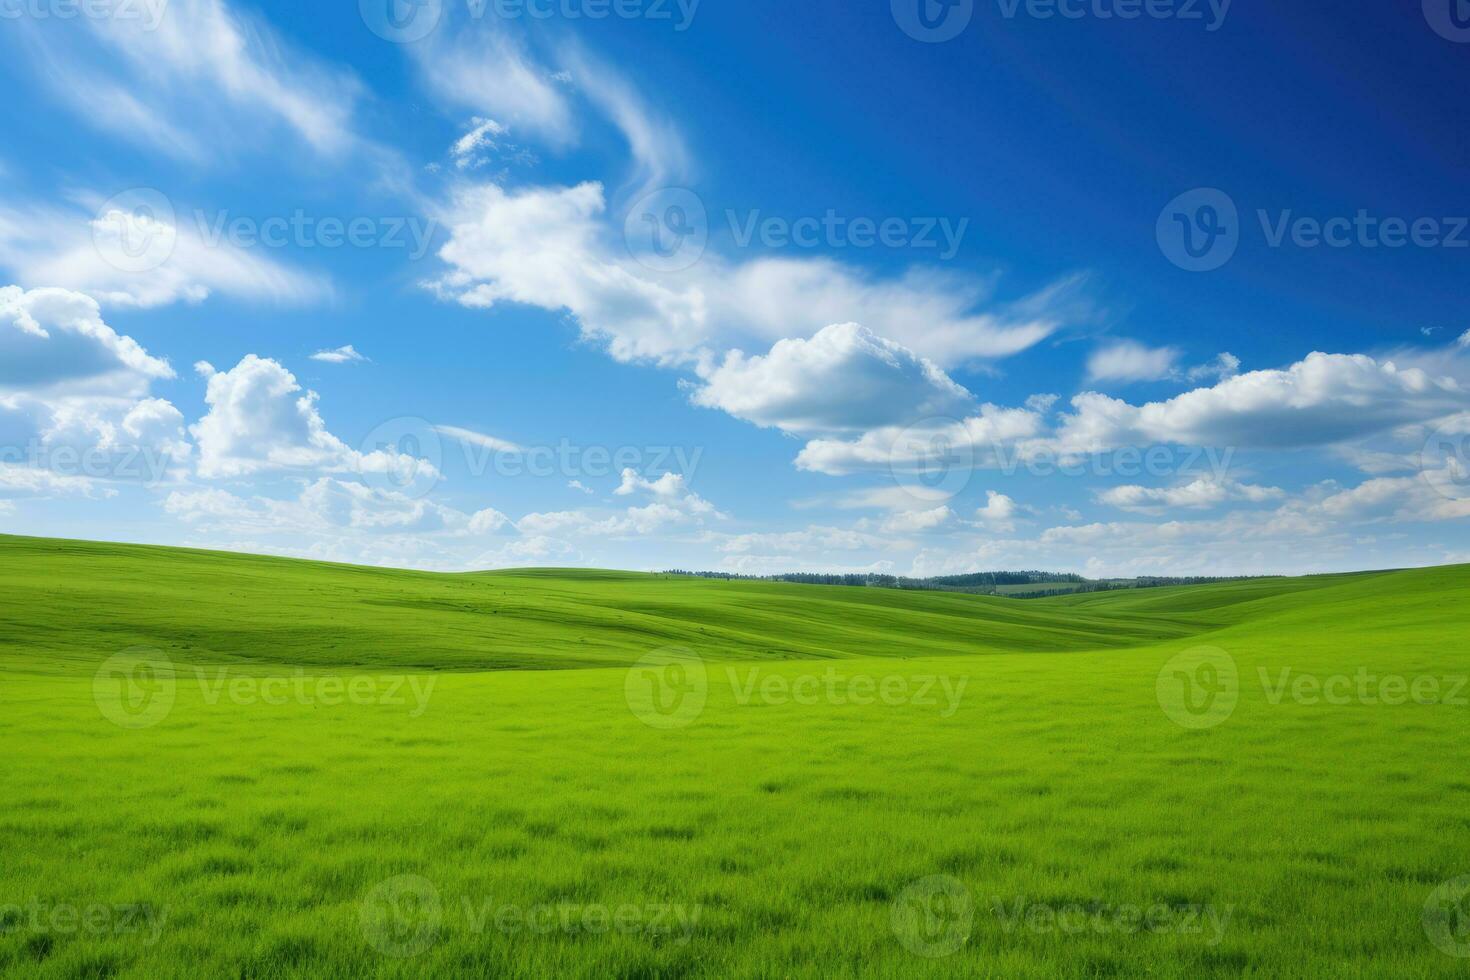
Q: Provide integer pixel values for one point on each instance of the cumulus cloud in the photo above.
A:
(260, 419)
(999, 512)
(55, 341)
(72, 388)
(844, 378)
(1321, 400)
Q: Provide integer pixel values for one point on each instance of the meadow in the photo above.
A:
(254, 767)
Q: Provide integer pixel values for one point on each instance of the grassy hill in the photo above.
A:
(854, 754)
(73, 603)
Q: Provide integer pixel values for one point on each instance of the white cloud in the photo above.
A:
(962, 444)
(54, 341)
(474, 438)
(999, 512)
(1129, 360)
(812, 540)
(655, 144)
(1321, 400)
(259, 419)
(914, 521)
(75, 395)
(1202, 493)
(341, 355)
(550, 247)
(468, 150)
(844, 378)
(191, 77)
(491, 74)
(1225, 365)
(125, 258)
(673, 505)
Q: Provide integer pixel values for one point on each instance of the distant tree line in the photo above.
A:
(978, 583)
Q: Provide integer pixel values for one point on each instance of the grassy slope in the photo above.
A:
(78, 600)
(794, 827)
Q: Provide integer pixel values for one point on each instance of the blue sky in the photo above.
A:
(1102, 286)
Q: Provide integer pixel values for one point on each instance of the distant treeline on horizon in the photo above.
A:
(1011, 584)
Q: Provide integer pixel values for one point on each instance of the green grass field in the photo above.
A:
(228, 765)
